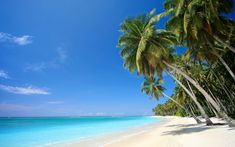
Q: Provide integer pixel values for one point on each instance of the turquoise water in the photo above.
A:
(42, 131)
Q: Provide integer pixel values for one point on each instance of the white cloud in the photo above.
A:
(56, 62)
(21, 40)
(24, 90)
(3, 74)
(5, 37)
(55, 102)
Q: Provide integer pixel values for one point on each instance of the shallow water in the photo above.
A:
(42, 131)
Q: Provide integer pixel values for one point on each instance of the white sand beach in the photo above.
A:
(174, 132)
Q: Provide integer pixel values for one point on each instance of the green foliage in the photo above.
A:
(180, 112)
(142, 46)
(196, 25)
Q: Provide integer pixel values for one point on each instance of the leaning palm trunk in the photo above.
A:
(226, 90)
(198, 102)
(225, 65)
(195, 109)
(203, 113)
(216, 114)
(186, 110)
(212, 110)
(218, 100)
(173, 100)
(221, 41)
(224, 44)
(209, 105)
(230, 121)
(191, 109)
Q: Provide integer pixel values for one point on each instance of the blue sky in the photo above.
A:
(59, 58)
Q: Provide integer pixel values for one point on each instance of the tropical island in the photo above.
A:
(94, 81)
(203, 71)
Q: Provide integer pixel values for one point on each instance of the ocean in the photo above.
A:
(43, 131)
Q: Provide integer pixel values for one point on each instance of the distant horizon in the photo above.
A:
(76, 116)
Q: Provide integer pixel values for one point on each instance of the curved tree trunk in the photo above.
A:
(207, 121)
(206, 95)
(225, 65)
(207, 103)
(212, 109)
(224, 44)
(229, 94)
(173, 100)
(216, 99)
(186, 110)
(221, 41)
(203, 113)
(191, 109)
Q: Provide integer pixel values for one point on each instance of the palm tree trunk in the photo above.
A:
(208, 106)
(203, 113)
(216, 99)
(212, 109)
(224, 44)
(193, 115)
(195, 109)
(225, 65)
(186, 110)
(216, 114)
(206, 95)
(207, 118)
(221, 41)
(195, 96)
(229, 94)
(191, 109)
(173, 100)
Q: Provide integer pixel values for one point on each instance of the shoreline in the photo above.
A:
(105, 139)
(170, 132)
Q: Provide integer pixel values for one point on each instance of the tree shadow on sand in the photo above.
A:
(190, 128)
(182, 125)
(186, 130)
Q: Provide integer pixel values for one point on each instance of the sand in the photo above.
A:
(172, 132)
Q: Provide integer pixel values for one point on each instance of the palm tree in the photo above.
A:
(202, 111)
(153, 54)
(153, 88)
(184, 99)
(197, 22)
(149, 51)
(205, 94)
(142, 45)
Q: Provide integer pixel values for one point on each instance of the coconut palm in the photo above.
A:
(149, 51)
(201, 89)
(152, 56)
(198, 23)
(196, 20)
(184, 99)
(194, 98)
(153, 88)
(142, 46)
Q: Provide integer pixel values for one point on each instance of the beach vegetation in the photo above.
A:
(203, 74)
